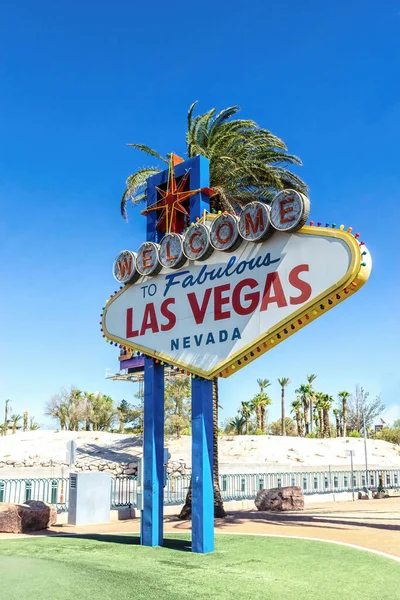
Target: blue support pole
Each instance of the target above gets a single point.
(153, 455)
(202, 467)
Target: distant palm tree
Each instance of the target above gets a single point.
(237, 423)
(310, 378)
(297, 409)
(260, 402)
(25, 421)
(344, 397)
(33, 426)
(7, 409)
(15, 419)
(305, 391)
(246, 410)
(338, 415)
(326, 404)
(283, 382)
(319, 401)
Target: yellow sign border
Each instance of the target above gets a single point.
(351, 282)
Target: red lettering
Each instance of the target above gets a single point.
(124, 266)
(149, 319)
(147, 260)
(219, 301)
(273, 286)
(168, 314)
(284, 211)
(167, 252)
(303, 286)
(194, 235)
(257, 225)
(130, 332)
(199, 312)
(252, 298)
(218, 232)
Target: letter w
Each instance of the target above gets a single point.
(199, 312)
(124, 266)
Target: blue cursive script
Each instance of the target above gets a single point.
(205, 274)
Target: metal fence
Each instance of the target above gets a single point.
(233, 486)
(54, 491)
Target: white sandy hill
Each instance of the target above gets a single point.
(237, 454)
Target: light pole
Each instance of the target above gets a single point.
(351, 454)
(365, 450)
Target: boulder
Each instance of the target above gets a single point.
(284, 498)
(22, 518)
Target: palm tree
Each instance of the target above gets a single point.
(310, 378)
(246, 410)
(15, 419)
(246, 163)
(219, 511)
(297, 407)
(305, 391)
(338, 415)
(25, 421)
(283, 382)
(326, 405)
(237, 423)
(7, 408)
(319, 400)
(33, 426)
(260, 402)
(344, 396)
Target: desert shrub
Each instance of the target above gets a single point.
(354, 433)
(389, 434)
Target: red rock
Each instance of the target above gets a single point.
(22, 518)
(286, 498)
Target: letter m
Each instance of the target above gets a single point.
(256, 225)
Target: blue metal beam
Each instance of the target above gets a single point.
(202, 467)
(153, 455)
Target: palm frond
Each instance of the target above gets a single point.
(148, 150)
(136, 188)
(224, 115)
(190, 114)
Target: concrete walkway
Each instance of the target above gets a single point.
(373, 524)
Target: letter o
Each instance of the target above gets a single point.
(289, 211)
(224, 233)
(124, 267)
(254, 222)
(147, 262)
(196, 243)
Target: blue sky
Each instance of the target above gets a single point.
(80, 80)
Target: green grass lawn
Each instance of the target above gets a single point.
(116, 567)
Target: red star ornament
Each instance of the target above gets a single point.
(171, 202)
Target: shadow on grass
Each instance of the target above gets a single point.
(127, 539)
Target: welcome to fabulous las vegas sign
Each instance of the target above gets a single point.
(232, 287)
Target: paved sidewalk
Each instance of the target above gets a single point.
(373, 524)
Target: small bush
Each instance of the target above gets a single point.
(389, 434)
(260, 432)
(354, 433)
